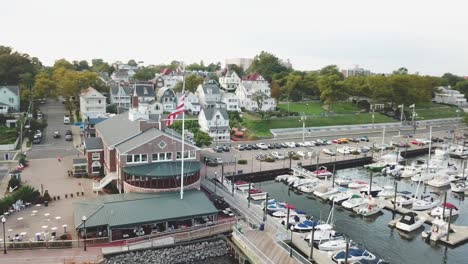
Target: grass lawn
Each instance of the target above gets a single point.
(316, 108)
(261, 128)
(439, 112)
(7, 135)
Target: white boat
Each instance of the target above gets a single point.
(459, 187)
(358, 184)
(275, 206)
(325, 192)
(425, 175)
(387, 192)
(409, 222)
(281, 178)
(392, 170)
(439, 181)
(427, 202)
(322, 232)
(354, 255)
(340, 197)
(291, 179)
(336, 243)
(374, 190)
(369, 209)
(299, 182)
(459, 152)
(310, 187)
(444, 210)
(404, 198)
(322, 173)
(410, 171)
(304, 226)
(354, 201)
(439, 229)
(344, 182)
(256, 195)
(292, 213)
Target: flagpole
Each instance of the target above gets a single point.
(183, 140)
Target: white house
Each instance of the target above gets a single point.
(215, 122)
(449, 96)
(9, 98)
(120, 95)
(208, 93)
(167, 98)
(168, 78)
(123, 75)
(145, 92)
(247, 91)
(255, 78)
(92, 103)
(192, 104)
(231, 101)
(229, 81)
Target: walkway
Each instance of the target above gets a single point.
(50, 256)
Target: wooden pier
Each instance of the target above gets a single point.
(319, 256)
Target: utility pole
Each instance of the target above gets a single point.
(402, 107)
(413, 115)
(303, 119)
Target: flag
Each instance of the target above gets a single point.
(411, 106)
(179, 110)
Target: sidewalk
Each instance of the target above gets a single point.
(52, 256)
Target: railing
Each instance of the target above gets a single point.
(259, 255)
(55, 244)
(298, 256)
(104, 181)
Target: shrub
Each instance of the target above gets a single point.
(242, 162)
(25, 193)
(47, 196)
(14, 182)
(295, 157)
(269, 159)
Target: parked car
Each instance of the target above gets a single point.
(248, 147)
(283, 145)
(277, 145)
(336, 141)
(226, 148)
(277, 155)
(344, 140)
(66, 119)
(39, 115)
(296, 144)
(37, 139)
(219, 160)
(437, 140)
(38, 133)
(262, 146)
(418, 141)
(328, 152)
(218, 149)
(240, 147)
(319, 142)
(271, 146)
(260, 157)
(354, 140)
(307, 144)
(291, 153)
(301, 153)
(364, 139)
(291, 144)
(255, 147)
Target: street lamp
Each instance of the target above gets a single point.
(4, 239)
(216, 178)
(84, 228)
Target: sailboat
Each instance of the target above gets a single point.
(323, 232)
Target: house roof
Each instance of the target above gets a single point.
(121, 73)
(117, 129)
(13, 88)
(166, 71)
(163, 169)
(252, 87)
(95, 121)
(115, 89)
(162, 90)
(89, 91)
(129, 209)
(93, 143)
(213, 86)
(144, 90)
(253, 76)
(210, 112)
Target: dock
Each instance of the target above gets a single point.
(319, 256)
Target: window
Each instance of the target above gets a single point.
(144, 157)
(162, 144)
(129, 158)
(179, 155)
(155, 157)
(136, 158)
(162, 156)
(11, 100)
(169, 155)
(186, 154)
(95, 156)
(192, 154)
(99, 101)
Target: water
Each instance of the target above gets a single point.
(374, 233)
(218, 260)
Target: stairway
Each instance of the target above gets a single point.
(97, 186)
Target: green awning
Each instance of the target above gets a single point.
(163, 169)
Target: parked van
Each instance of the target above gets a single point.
(66, 119)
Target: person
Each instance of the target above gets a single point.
(59, 158)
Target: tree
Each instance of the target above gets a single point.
(132, 63)
(13, 65)
(202, 139)
(462, 86)
(451, 79)
(145, 74)
(259, 97)
(331, 70)
(332, 89)
(45, 87)
(191, 83)
(275, 90)
(81, 65)
(238, 70)
(63, 63)
(401, 71)
(267, 65)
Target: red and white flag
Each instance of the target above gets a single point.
(179, 110)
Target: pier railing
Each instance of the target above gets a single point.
(259, 255)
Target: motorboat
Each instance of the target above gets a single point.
(369, 209)
(373, 190)
(324, 193)
(274, 207)
(425, 175)
(410, 222)
(299, 182)
(322, 173)
(256, 194)
(404, 198)
(292, 213)
(354, 254)
(309, 187)
(322, 232)
(337, 242)
(354, 201)
(343, 182)
(445, 210)
(438, 230)
(410, 171)
(458, 152)
(425, 203)
(392, 170)
(387, 192)
(376, 166)
(306, 225)
(340, 197)
(291, 179)
(439, 181)
(459, 187)
(357, 184)
(281, 178)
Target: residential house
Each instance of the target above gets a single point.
(9, 98)
(192, 104)
(356, 71)
(90, 125)
(168, 99)
(145, 92)
(168, 78)
(123, 75)
(208, 93)
(141, 156)
(231, 101)
(255, 78)
(247, 93)
(229, 81)
(215, 122)
(446, 95)
(92, 103)
(120, 95)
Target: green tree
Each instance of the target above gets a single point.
(202, 139)
(401, 71)
(451, 79)
(267, 65)
(462, 86)
(81, 65)
(332, 89)
(238, 70)
(259, 97)
(145, 74)
(191, 83)
(132, 63)
(63, 63)
(14, 65)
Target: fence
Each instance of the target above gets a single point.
(57, 244)
(249, 246)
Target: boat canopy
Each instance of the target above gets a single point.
(356, 196)
(409, 218)
(449, 206)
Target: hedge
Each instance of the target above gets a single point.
(26, 193)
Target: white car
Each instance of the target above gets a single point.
(277, 155)
(301, 153)
(262, 146)
(307, 144)
(66, 119)
(291, 144)
(328, 152)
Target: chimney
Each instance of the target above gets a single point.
(134, 99)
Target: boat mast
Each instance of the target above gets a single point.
(430, 146)
(183, 139)
(383, 142)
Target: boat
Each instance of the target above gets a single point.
(292, 213)
(325, 192)
(322, 232)
(354, 254)
(404, 198)
(355, 200)
(256, 194)
(274, 207)
(439, 181)
(322, 173)
(376, 166)
(410, 171)
(392, 170)
(291, 179)
(337, 242)
(340, 197)
(444, 210)
(374, 190)
(438, 230)
(281, 178)
(459, 187)
(410, 222)
(304, 226)
(387, 192)
(425, 203)
(458, 152)
(299, 182)
(310, 187)
(358, 184)
(369, 209)
(425, 175)
(343, 182)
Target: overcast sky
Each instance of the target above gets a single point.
(430, 37)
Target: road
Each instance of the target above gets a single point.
(51, 147)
